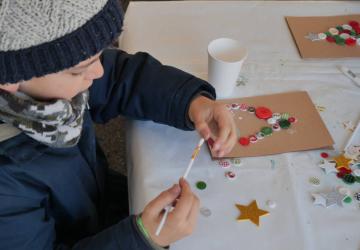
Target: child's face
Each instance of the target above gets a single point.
(65, 84)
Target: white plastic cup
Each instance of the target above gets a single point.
(225, 58)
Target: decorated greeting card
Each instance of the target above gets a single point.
(326, 36)
(278, 123)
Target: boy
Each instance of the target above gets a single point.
(56, 78)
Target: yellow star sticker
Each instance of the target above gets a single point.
(341, 160)
(251, 212)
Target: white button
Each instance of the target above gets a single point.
(346, 27)
(230, 175)
(357, 172)
(333, 31)
(259, 135)
(343, 190)
(272, 120)
(277, 116)
(271, 204)
(358, 41)
(344, 36)
(236, 162)
(322, 36)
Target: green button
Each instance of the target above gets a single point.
(285, 116)
(201, 185)
(251, 109)
(284, 124)
(347, 199)
(266, 131)
(357, 179)
(339, 28)
(339, 40)
(327, 33)
(349, 179)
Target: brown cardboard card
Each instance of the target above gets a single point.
(302, 26)
(309, 132)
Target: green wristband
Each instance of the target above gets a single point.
(140, 224)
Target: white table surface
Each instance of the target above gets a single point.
(177, 33)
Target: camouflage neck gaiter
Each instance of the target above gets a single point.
(55, 123)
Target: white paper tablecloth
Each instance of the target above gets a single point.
(177, 33)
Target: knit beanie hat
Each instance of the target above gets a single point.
(40, 37)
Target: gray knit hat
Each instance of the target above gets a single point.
(40, 37)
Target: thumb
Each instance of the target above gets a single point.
(203, 129)
(157, 205)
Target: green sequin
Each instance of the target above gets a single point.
(201, 185)
(284, 124)
(349, 178)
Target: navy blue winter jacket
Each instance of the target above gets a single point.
(43, 188)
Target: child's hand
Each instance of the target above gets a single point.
(180, 222)
(213, 119)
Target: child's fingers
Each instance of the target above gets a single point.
(184, 203)
(156, 206)
(203, 129)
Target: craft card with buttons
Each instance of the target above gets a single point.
(326, 36)
(278, 123)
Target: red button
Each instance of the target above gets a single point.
(330, 39)
(263, 113)
(244, 141)
(292, 119)
(324, 155)
(350, 41)
(354, 24)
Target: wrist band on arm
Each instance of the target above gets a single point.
(140, 224)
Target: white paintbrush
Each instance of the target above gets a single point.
(169, 208)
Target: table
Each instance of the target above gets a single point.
(177, 33)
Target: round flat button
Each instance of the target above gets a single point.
(343, 190)
(292, 119)
(260, 135)
(266, 131)
(251, 109)
(244, 107)
(356, 172)
(253, 138)
(205, 211)
(271, 121)
(354, 24)
(344, 36)
(236, 162)
(334, 31)
(271, 204)
(358, 41)
(201, 185)
(263, 113)
(346, 27)
(322, 36)
(244, 141)
(276, 127)
(285, 116)
(230, 175)
(284, 124)
(324, 155)
(276, 116)
(224, 163)
(235, 106)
